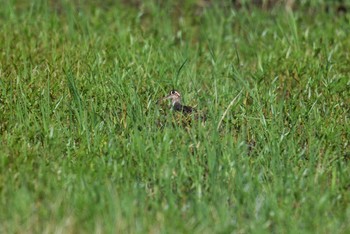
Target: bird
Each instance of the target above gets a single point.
(175, 97)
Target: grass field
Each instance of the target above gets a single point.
(85, 148)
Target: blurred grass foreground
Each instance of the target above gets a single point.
(86, 148)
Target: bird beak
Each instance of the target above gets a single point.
(164, 98)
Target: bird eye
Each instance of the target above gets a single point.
(172, 92)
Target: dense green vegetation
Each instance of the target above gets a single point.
(85, 147)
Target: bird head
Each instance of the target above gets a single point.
(174, 95)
